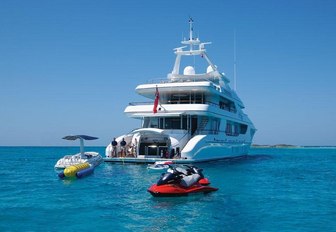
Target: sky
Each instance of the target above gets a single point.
(71, 66)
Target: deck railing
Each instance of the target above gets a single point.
(166, 80)
(173, 102)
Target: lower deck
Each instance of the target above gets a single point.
(151, 160)
(146, 160)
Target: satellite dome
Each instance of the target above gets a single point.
(189, 70)
(210, 69)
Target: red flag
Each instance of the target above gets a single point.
(156, 100)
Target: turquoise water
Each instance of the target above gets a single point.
(270, 190)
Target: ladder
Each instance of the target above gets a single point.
(203, 123)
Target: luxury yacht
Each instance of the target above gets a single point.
(191, 116)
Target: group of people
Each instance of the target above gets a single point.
(130, 150)
(125, 150)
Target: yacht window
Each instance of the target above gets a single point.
(145, 123)
(154, 123)
(228, 129)
(243, 128)
(161, 123)
(174, 99)
(186, 98)
(184, 122)
(172, 123)
(226, 104)
(199, 98)
(151, 123)
(235, 128)
(175, 123)
(166, 122)
(215, 125)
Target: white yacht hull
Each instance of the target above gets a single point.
(212, 147)
(209, 152)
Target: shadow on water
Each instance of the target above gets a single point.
(171, 202)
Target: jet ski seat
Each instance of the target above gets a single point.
(190, 180)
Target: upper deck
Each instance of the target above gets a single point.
(189, 91)
(186, 89)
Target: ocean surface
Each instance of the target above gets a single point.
(269, 190)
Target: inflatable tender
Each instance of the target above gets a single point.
(77, 170)
(85, 172)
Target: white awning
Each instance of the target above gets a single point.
(148, 130)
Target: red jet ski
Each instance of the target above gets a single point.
(181, 181)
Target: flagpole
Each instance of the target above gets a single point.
(156, 100)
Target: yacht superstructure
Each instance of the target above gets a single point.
(192, 117)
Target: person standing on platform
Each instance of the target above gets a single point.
(123, 144)
(114, 144)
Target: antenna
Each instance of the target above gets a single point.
(191, 28)
(234, 62)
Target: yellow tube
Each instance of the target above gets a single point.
(72, 170)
